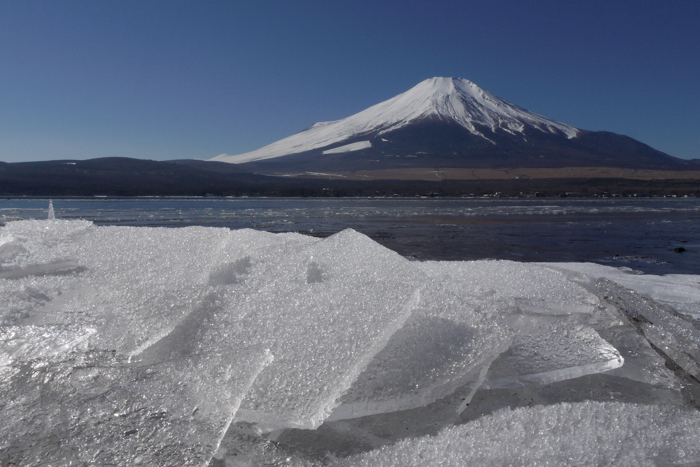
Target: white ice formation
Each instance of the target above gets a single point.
(157, 346)
(452, 99)
(50, 214)
(587, 433)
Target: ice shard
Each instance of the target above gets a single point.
(324, 310)
(446, 344)
(96, 407)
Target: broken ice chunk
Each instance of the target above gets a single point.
(323, 339)
(587, 433)
(323, 331)
(673, 334)
(98, 409)
(549, 349)
(682, 292)
(536, 286)
(446, 343)
(171, 404)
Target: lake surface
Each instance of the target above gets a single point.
(659, 236)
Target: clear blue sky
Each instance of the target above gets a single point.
(194, 79)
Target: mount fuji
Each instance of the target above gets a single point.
(448, 123)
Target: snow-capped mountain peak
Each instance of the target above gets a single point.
(464, 102)
(450, 99)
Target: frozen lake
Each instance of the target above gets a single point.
(643, 234)
(497, 332)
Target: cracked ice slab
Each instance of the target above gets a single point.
(547, 313)
(586, 433)
(98, 408)
(324, 310)
(446, 344)
(665, 308)
(125, 359)
(548, 350)
(680, 291)
(141, 345)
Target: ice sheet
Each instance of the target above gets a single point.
(682, 292)
(64, 402)
(130, 344)
(551, 349)
(663, 308)
(137, 286)
(588, 433)
(548, 315)
(324, 310)
(526, 285)
(133, 285)
(446, 344)
(96, 408)
(673, 335)
(154, 340)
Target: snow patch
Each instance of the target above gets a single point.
(349, 147)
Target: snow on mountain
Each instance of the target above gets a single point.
(349, 147)
(451, 99)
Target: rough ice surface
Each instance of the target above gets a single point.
(666, 309)
(552, 338)
(446, 344)
(95, 407)
(551, 350)
(196, 346)
(675, 290)
(588, 433)
(324, 311)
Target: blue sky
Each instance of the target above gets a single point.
(193, 79)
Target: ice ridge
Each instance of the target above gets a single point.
(161, 346)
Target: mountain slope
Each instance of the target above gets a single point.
(448, 122)
(446, 99)
(120, 176)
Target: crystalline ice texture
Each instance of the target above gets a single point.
(531, 287)
(664, 308)
(542, 307)
(550, 349)
(682, 292)
(137, 346)
(587, 433)
(324, 311)
(139, 292)
(446, 343)
(675, 335)
(96, 408)
(323, 308)
(133, 285)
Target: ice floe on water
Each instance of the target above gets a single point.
(197, 346)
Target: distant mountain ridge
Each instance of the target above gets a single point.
(444, 137)
(449, 122)
(117, 176)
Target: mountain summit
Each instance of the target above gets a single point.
(447, 122)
